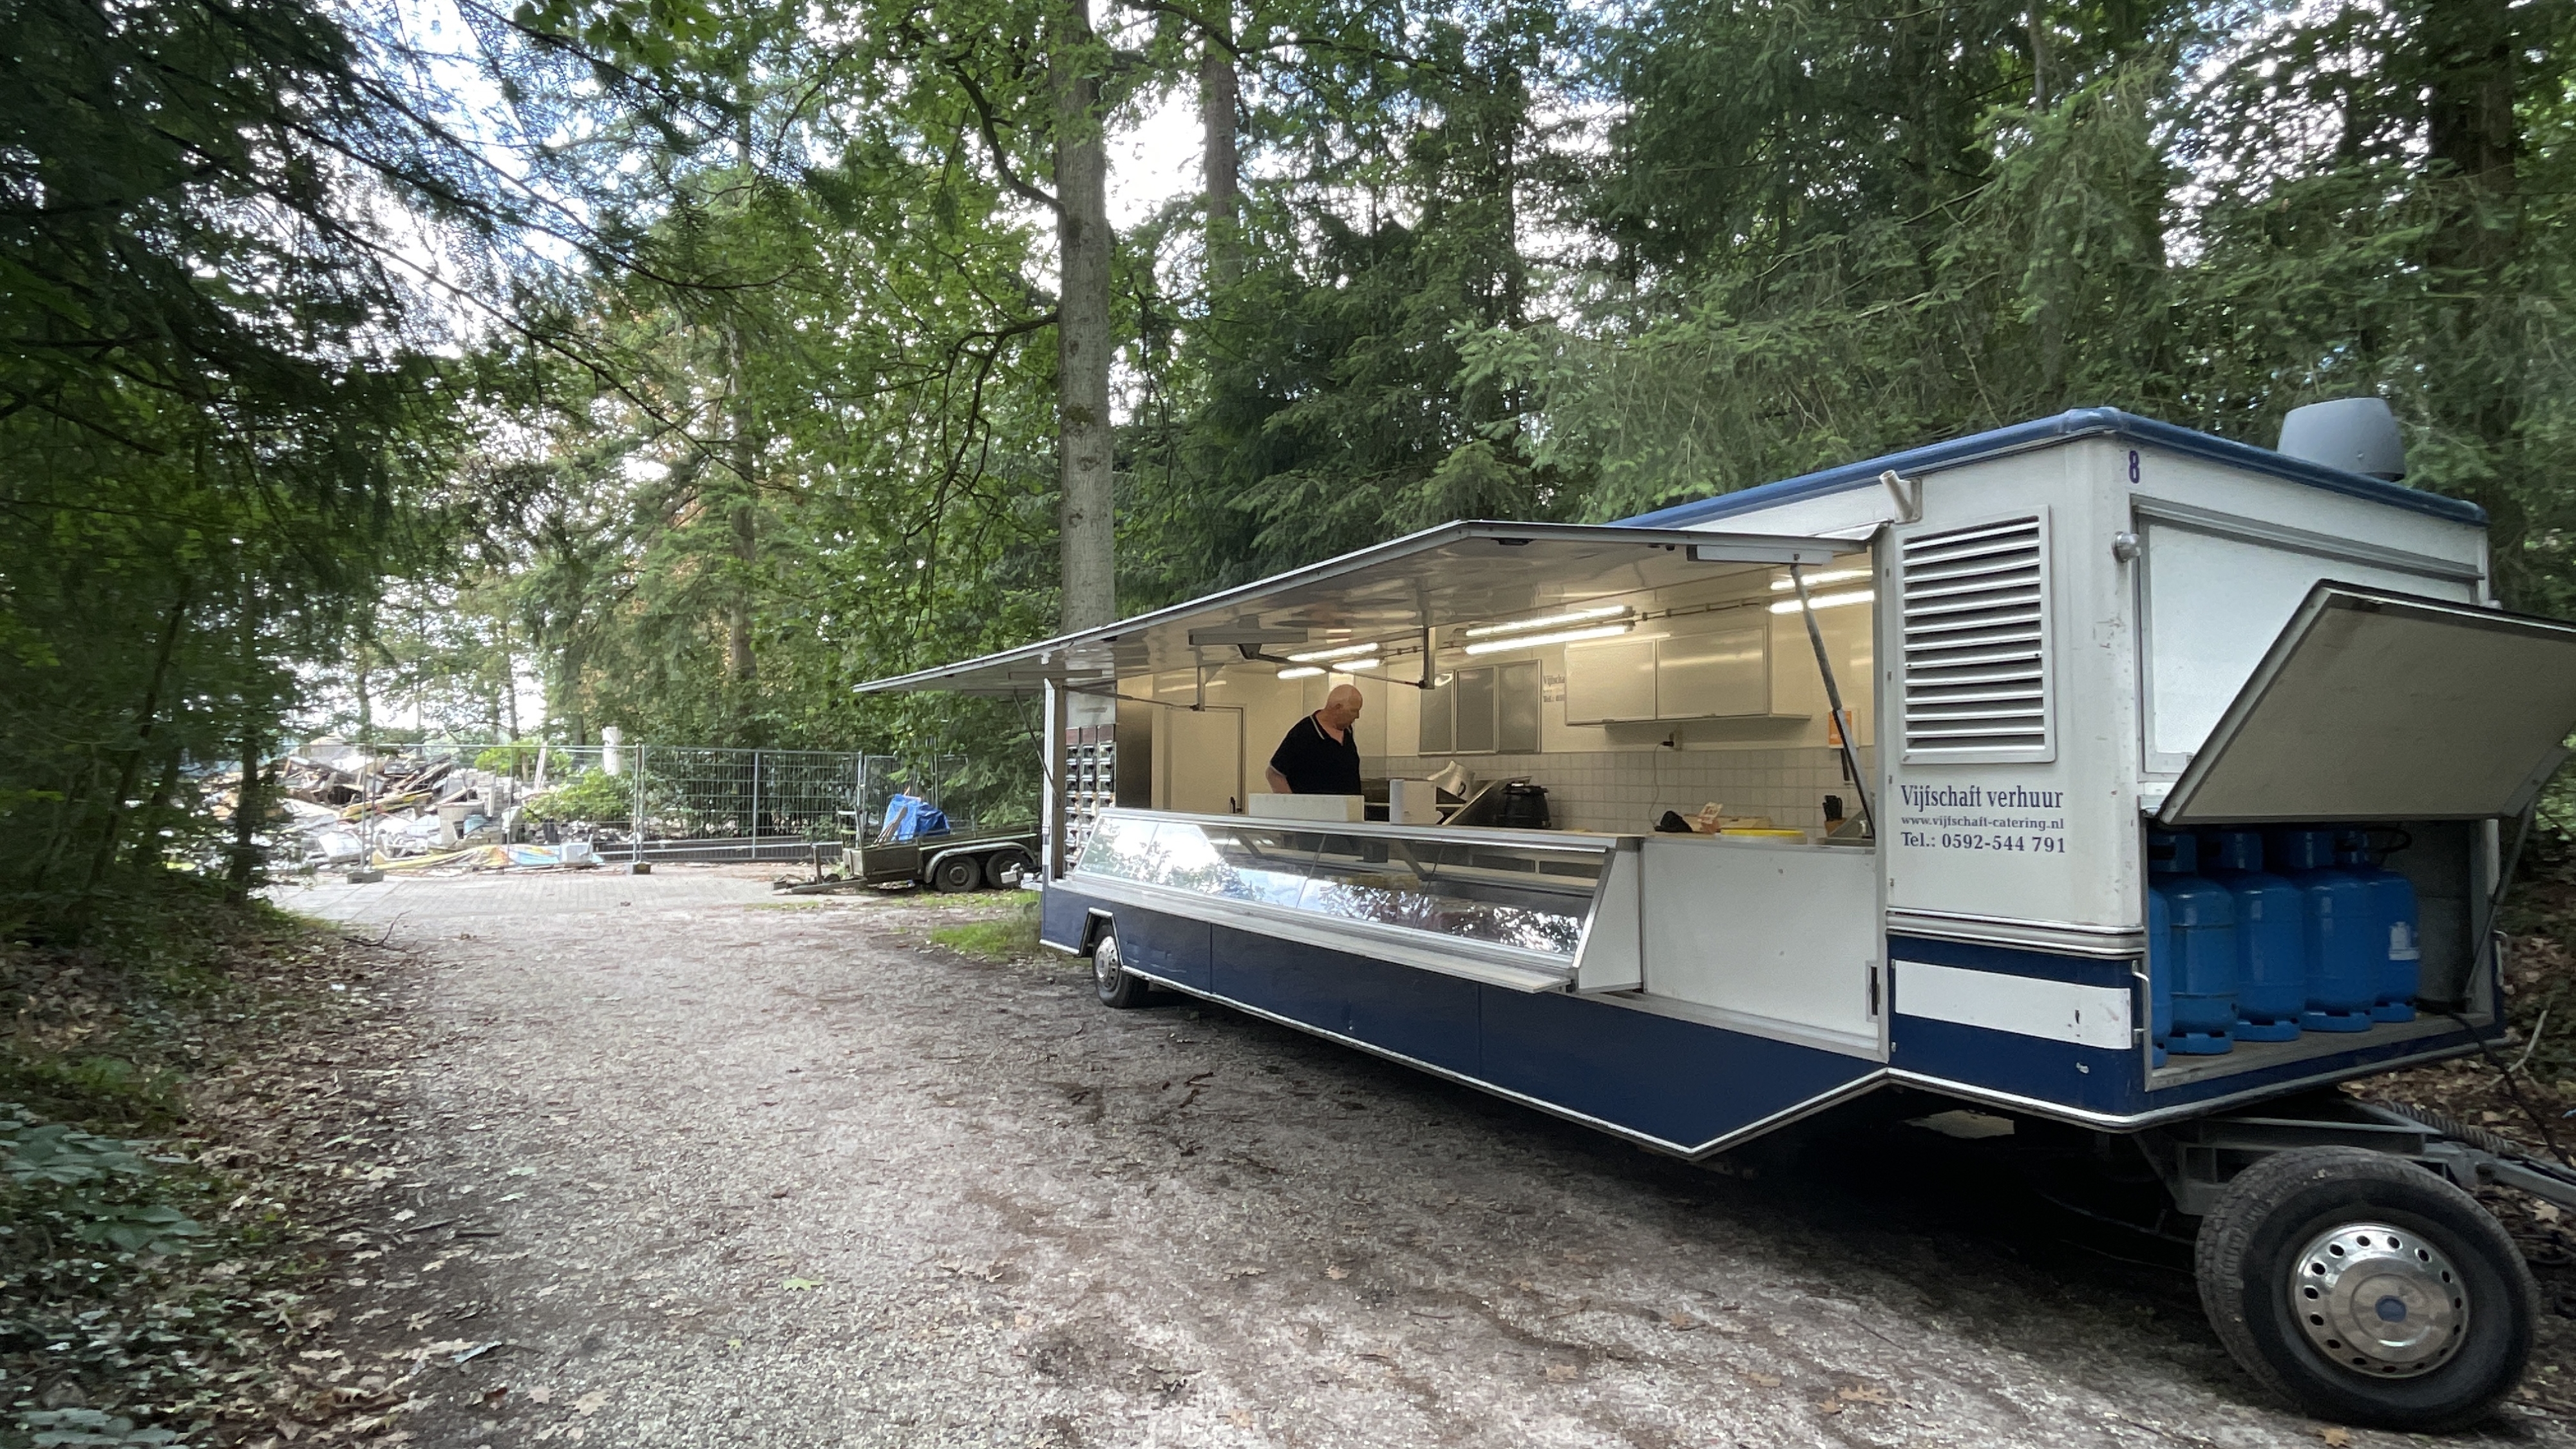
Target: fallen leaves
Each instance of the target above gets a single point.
(590, 1403)
(1336, 1272)
(800, 1285)
(1761, 1380)
(2336, 1436)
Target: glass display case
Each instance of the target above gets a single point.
(1502, 892)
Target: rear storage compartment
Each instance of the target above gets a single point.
(2275, 941)
(2320, 875)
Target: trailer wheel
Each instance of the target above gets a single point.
(2365, 1289)
(1004, 869)
(1110, 980)
(957, 873)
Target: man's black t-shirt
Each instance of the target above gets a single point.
(1317, 764)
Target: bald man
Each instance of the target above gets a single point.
(1318, 755)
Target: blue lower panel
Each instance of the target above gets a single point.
(1679, 1083)
(1166, 946)
(1062, 917)
(2058, 1073)
(1420, 1014)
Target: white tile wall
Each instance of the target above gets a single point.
(1628, 790)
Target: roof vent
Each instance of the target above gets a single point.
(2356, 434)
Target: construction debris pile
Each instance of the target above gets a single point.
(346, 809)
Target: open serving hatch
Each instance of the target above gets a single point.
(2377, 705)
(1453, 574)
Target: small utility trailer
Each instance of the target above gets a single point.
(2093, 772)
(972, 860)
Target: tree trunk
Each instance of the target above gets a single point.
(2039, 57)
(565, 690)
(1220, 92)
(1085, 523)
(2467, 51)
(250, 804)
(249, 807)
(130, 775)
(743, 450)
(147, 846)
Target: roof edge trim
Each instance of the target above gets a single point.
(2076, 423)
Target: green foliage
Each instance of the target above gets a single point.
(210, 419)
(591, 796)
(511, 759)
(71, 1427)
(783, 423)
(93, 1189)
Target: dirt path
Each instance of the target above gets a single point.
(715, 1169)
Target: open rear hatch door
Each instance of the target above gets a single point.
(2377, 705)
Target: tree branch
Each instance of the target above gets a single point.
(1206, 27)
(993, 139)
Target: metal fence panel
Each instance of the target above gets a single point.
(646, 801)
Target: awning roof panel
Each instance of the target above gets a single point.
(1458, 573)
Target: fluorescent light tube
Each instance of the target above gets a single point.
(1302, 671)
(1353, 666)
(1829, 576)
(1827, 601)
(1561, 636)
(1549, 621)
(1347, 651)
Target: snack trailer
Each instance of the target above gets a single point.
(2093, 771)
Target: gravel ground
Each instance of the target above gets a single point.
(713, 1168)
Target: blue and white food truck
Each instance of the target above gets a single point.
(2093, 771)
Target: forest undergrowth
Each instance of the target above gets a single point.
(2539, 1052)
(163, 1176)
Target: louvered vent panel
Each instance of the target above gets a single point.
(1976, 641)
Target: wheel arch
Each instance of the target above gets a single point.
(1097, 925)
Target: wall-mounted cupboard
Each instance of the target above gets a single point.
(1701, 666)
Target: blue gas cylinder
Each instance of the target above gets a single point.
(2201, 935)
(2401, 968)
(2159, 971)
(2271, 938)
(2344, 943)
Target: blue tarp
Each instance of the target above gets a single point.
(909, 817)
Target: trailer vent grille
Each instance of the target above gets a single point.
(1976, 643)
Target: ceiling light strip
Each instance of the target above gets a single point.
(1827, 601)
(1549, 621)
(1346, 651)
(1561, 636)
(1817, 581)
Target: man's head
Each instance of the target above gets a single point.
(1342, 706)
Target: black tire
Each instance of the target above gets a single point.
(1117, 988)
(957, 873)
(1003, 869)
(2270, 1231)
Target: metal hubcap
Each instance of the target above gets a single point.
(1105, 970)
(2379, 1301)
